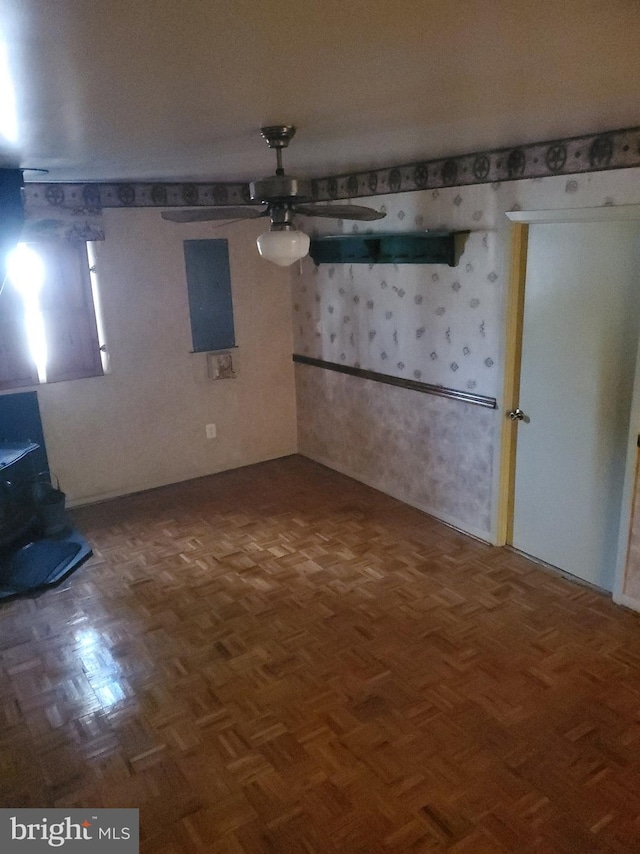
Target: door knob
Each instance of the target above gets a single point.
(517, 415)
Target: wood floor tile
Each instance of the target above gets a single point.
(279, 659)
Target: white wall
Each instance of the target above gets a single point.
(143, 424)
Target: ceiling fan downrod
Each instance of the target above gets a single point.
(278, 137)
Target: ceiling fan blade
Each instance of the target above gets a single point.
(339, 211)
(208, 214)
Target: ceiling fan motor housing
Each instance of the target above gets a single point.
(280, 188)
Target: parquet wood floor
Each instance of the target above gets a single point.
(279, 659)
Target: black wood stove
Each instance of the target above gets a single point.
(35, 552)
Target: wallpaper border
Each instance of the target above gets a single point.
(617, 149)
(389, 379)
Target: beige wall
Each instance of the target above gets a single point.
(143, 424)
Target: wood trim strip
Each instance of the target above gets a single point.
(513, 360)
(400, 382)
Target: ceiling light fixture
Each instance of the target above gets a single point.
(283, 197)
(283, 244)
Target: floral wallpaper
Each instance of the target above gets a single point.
(430, 322)
(432, 452)
(441, 325)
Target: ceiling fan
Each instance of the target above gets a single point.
(284, 197)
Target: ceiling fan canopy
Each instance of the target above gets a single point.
(283, 197)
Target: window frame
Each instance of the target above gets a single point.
(69, 314)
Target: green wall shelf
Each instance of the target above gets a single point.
(419, 247)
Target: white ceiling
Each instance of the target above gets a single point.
(176, 89)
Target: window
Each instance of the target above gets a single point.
(48, 329)
(209, 289)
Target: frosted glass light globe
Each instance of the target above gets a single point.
(283, 246)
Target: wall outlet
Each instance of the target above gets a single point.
(210, 430)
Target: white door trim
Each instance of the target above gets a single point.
(605, 213)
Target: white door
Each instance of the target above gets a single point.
(580, 335)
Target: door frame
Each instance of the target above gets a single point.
(513, 326)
